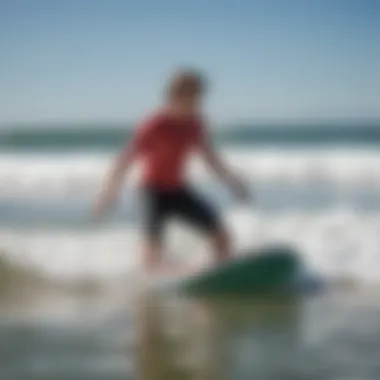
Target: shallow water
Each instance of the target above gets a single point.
(331, 335)
(68, 302)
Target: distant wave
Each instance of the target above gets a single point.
(32, 185)
(110, 137)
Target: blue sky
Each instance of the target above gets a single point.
(84, 60)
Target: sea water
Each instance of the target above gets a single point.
(70, 306)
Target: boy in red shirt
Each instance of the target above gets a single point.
(164, 142)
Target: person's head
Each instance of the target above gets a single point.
(185, 91)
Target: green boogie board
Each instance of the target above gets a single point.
(267, 270)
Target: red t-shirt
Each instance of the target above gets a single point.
(164, 145)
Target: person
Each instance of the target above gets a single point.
(164, 141)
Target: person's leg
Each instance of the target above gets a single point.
(197, 212)
(221, 243)
(155, 210)
(151, 255)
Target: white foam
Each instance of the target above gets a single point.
(331, 244)
(69, 255)
(67, 175)
(336, 242)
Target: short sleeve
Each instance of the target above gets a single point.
(144, 134)
(142, 138)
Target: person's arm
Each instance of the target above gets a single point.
(122, 163)
(213, 160)
(211, 157)
(113, 181)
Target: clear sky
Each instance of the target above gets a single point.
(75, 60)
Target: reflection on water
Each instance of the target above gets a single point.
(115, 335)
(214, 339)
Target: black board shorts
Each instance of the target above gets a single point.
(160, 206)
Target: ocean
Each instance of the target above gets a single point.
(70, 304)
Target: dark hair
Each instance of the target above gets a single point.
(185, 81)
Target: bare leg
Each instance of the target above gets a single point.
(152, 252)
(151, 256)
(221, 245)
(153, 260)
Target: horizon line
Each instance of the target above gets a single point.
(238, 122)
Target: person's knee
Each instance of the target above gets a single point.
(222, 243)
(223, 238)
(151, 253)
